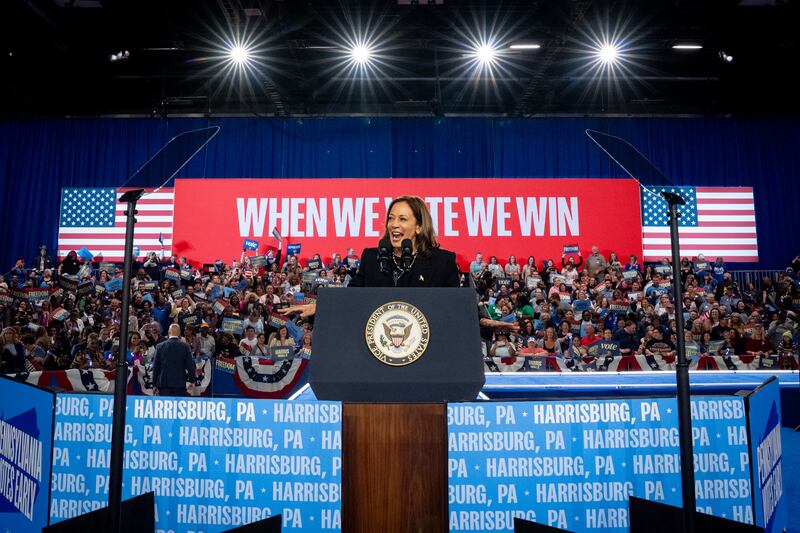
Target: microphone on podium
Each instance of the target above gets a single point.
(384, 250)
(406, 254)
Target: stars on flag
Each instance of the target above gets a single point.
(81, 208)
(655, 209)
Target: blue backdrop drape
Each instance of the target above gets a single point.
(39, 157)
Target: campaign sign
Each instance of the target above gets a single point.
(630, 274)
(281, 353)
(308, 277)
(37, 294)
(114, 285)
(571, 249)
(532, 282)
(26, 444)
(664, 270)
(258, 261)
(293, 249)
(214, 464)
(327, 214)
(250, 244)
(574, 464)
(232, 325)
(172, 274)
(86, 287)
(764, 421)
(582, 305)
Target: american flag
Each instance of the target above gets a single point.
(716, 221)
(93, 218)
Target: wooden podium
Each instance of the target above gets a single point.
(394, 468)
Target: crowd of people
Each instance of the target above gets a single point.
(566, 310)
(62, 315)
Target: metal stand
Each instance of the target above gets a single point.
(121, 378)
(682, 372)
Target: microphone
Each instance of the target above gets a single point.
(384, 250)
(406, 254)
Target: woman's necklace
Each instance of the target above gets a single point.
(398, 271)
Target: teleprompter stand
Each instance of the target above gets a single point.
(394, 431)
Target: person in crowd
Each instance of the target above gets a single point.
(281, 338)
(495, 268)
(12, 358)
(550, 343)
(228, 347)
(513, 268)
(152, 266)
(595, 263)
(627, 338)
(565, 336)
(173, 365)
(42, 261)
(261, 349)
(204, 344)
(477, 263)
(503, 347)
(248, 342)
(70, 265)
(529, 269)
(614, 262)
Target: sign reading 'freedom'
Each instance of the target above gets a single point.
(522, 216)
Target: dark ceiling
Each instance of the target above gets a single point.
(55, 58)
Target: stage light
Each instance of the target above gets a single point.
(486, 54)
(525, 46)
(239, 55)
(608, 54)
(725, 57)
(687, 46)
(119, 56)
(361, 54)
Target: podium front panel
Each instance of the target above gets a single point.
(345, 368)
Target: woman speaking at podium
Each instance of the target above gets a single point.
(408, 255)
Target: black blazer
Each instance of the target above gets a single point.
(437, 268)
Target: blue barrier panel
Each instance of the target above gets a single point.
(213, 464)
(764, 421)
(26, 444)
(574, 464)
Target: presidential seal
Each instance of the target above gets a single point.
(397, 333)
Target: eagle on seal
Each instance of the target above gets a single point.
(397, 333)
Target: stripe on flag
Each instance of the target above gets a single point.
(716, 221)
(93, 218)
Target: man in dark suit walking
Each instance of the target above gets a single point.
(173, 365)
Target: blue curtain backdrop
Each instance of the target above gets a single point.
(39, 157)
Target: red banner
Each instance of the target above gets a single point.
(500, 217)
